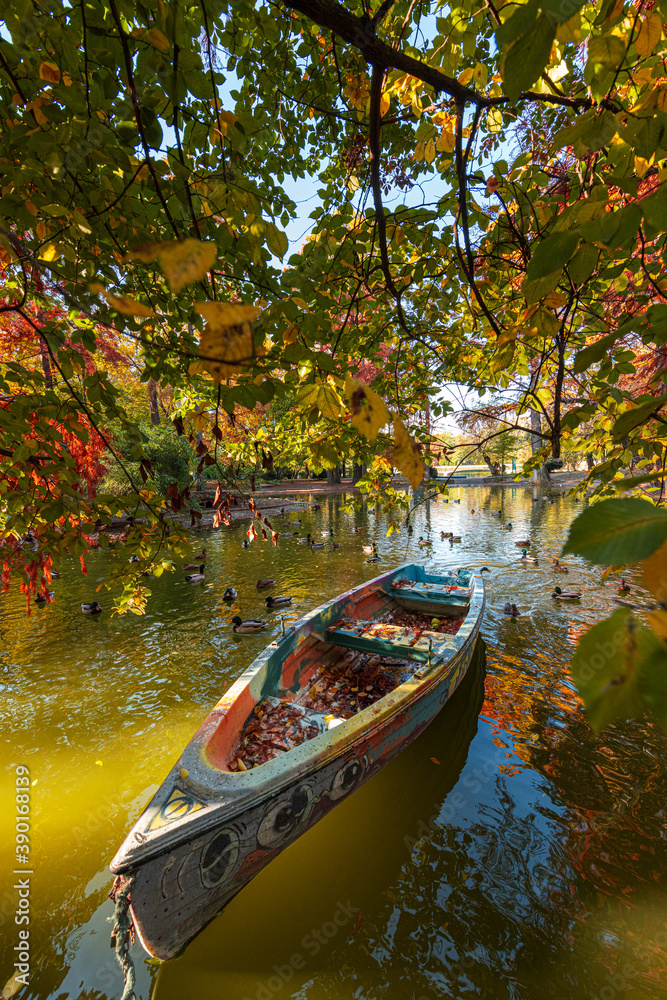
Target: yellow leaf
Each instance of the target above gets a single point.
(654, 570)
(494, 120)
(41, 231)
(49, 71)
(369, 412)
(196, 368)
(223, 314)
(570, 31)
(429, 151)
(49, 252)
(466, 76)
(446, 141)
(385, 102)
(185, 261)
(226, 349)
(123, 303)
(290, 335)
(405, 454)
(649, 34)
(155, 38)
(182, 261)
(31, 207)
(642, 165)
(419, 151)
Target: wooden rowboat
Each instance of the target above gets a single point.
(319, 712)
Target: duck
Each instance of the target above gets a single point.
(278, 602)
(374, 558)
(356, 530)
(506, 527)
(44, 598)
(525, 558)
(201, 557)
(368, 549)
(409, 529)
(327, 534)
(454, 538)
(196, 577)
(248, 626)
(444, 535)
(525, 544)
(566, 595)
(511, 610)
(264, 583)
(188, 566)
(295, 522)
(229, 594)
(335, 545)
(457, 501)
(424, 541)
(315, 506)
(317, 545)
(93, 608)
(245, 543)
(484, 569)
(623, 588)
(557, 568)
(305, 540)
(134, 559)
(55, 575)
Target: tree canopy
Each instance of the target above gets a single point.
(490, 213)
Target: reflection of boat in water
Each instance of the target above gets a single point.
(270, 760)
(353, 856)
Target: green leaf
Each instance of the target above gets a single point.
(583, 263)
(639, 414)
(328, 402)
(527, 57)
(536, 290)
(618, 532)
(552, 254)
(593, 353)
(605, 54)
(619, 668)
(276, 240)
(592, 130)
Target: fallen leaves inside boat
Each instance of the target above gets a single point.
(336, 691)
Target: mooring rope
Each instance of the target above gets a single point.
(122, 935)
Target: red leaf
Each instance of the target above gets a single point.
(275, 535)
(218, 496)
(252, 534)
(358, 922)
(84, 568)
(435, 760)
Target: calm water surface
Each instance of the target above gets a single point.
(508, 853)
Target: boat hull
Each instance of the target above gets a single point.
(176, 893)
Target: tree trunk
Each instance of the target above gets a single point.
(495, 471)
(336, 475)
(357, 473)
(536, 428)
(153, 402)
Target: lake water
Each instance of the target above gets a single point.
(508, 853)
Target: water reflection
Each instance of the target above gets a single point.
(529, 862)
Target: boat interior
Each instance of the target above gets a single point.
(327, 678)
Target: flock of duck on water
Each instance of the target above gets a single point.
(196, 570)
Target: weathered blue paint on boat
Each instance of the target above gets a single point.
(209, 830)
